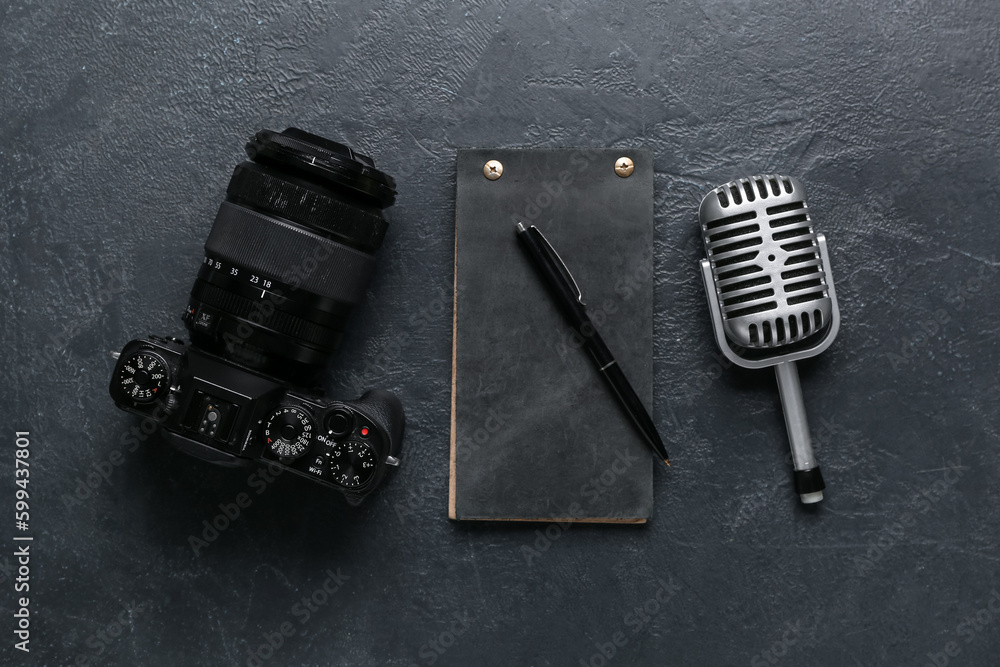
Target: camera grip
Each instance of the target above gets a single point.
(385, 409)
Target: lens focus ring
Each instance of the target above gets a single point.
(290, 254)
(253, 186)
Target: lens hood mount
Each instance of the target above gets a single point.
(326, 161)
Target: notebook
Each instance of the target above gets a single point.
(536, 434)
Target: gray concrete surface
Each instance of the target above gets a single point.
(120, 123)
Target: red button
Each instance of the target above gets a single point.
(364, 430)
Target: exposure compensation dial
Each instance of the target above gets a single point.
(351, 464)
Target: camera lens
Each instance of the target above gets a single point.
(290, 254)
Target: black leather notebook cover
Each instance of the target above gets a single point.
(536, 433)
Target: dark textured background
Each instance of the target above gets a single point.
(120, 123)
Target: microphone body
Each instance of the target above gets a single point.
(770, 294)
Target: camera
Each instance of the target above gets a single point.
(290, 254)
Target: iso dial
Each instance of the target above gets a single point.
(144, 377)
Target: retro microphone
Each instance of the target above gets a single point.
(770, 294)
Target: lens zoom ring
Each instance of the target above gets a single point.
(290, 254)
(265, 315)
(261, 190)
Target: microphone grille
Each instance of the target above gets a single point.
(766, 265)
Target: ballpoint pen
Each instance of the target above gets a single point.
(566, 293)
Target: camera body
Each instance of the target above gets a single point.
(289, 256)
(231, 416)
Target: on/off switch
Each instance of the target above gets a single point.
(339, 422)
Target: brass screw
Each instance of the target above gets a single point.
(624, 167)
(493, 170)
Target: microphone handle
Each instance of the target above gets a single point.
(808, 479)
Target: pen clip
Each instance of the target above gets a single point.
(560, 265)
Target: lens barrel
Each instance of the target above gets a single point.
(290, 254)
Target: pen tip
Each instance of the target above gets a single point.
(667, 461)
(520, 227)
